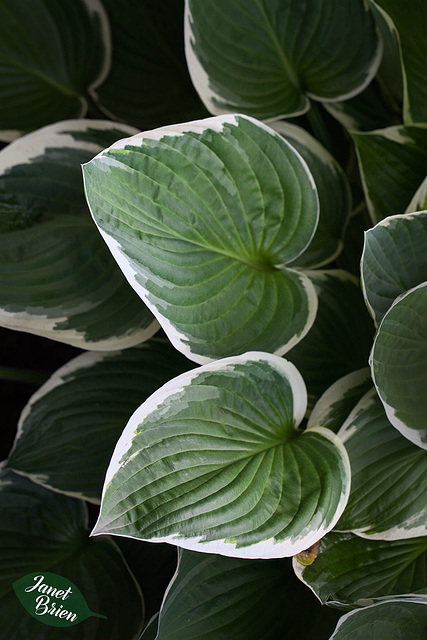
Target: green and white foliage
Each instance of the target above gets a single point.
(213, 597)
(57, 279)
(78, 415)
(350, 571)
(394, 260)
(46, 532)
(419, 201)
(268, 58)
(388, 497)
(398, 363)
(397, 154)
(53, 55)
(214, 462)
(389, 620)
(203, 218)
(334, 196)
(336, 403)
(414, 55)
(341, 337)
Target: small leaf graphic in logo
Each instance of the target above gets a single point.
(52, 599)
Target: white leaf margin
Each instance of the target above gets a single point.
(135, 276)
(413, 599)
(266, 549)
(408, 432)
(23, 151)
(386, 222)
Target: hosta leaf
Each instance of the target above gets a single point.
(52, 56)
(394, 260)
(388, 497)
(267, 58)
(350, 571)
(399, 156)
(398, 364)
(214, 462)
(44, 533)
(213, 597)
(334, 406)
(57, 279)
(419, 201)
(340, 339)
(68, 430)
(202, 217)
(409, 22)
(334, 196)
(389, 620)
(148, 52)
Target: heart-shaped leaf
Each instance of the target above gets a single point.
(213, 597)
(398, 364)
(202, 218)
(399, 156)
(57, 279)
(350, 571)
(388, 497)
(390, 620)
(69, 450)
(214, 462)
(44, 533)
(267, 58)
(52, 56)
(394, 260)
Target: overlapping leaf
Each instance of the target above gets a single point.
(214, 597)
(52, 56)
(41, 531)
(334, 406)
(267, 58)
(148, 84)
(409, 22)
(57, 279)
(68, 430)
(398, 364)
(350, 571)
(340, 339)
(214, 462)
(202, 218)
(394, 260)
(399, 156)
(334, 196)
(388, 497)
(389, 620)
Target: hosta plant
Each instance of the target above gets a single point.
(216, 213)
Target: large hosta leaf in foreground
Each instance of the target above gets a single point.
(350, 571)
(44, 532)
(394, 260)
(398, 364)
(69, 428)
(389, 620)
(388, 497)
(214, 462)
(203, 218)
(213, 597)
(57, 279)
(267, 58)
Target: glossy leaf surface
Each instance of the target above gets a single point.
(213, 462)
